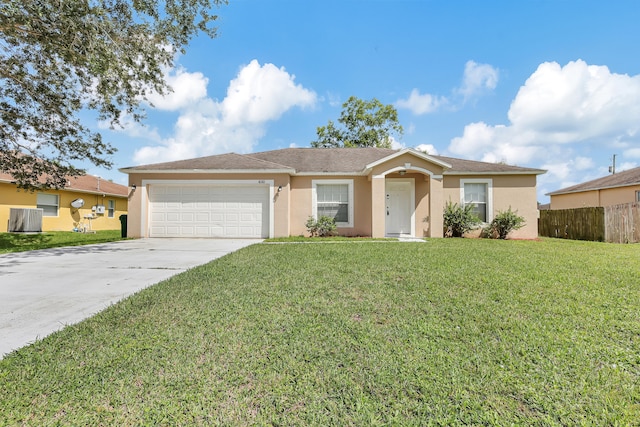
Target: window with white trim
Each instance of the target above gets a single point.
(48, 203)
(637, 196)
(334, 198)
(478, 192)
(111, 208)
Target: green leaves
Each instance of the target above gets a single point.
(504, 223)
(60, 57)
(322, 227)
(364, 124)
(459, 219)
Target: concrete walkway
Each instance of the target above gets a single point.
(43, 291)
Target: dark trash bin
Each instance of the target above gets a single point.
(123, 226)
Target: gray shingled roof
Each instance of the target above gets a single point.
(83, 183)
(326, 160)
(461, 166)
(230, 161)
(620, 179)
(320, 160)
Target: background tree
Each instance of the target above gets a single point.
(364, 124)
(58, 57)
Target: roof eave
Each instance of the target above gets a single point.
(531, 172)
(195, 171)
(96, 192)
(74, 190)
(316, 173)
(583, 190)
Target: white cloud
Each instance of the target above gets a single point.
(334, 99)
(421, 103)
(477, 79)
(187, 88)
(562, 170)
(132, 128)
(396, 145)
(427, 148)
(577, 103)
(633, 153)
(257, 95)
(263, 93)
(625, 166)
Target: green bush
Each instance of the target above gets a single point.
(459, 219)
(503, 224)
(322, 227)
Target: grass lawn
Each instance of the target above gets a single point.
(15, 242)
(448, 332)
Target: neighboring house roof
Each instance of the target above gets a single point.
(85, 184)
(620, 179)
(321, 161)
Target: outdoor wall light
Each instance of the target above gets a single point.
(402, 172)
(279, 188)
(133, 187)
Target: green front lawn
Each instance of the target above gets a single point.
(448, 332)
(19, 242)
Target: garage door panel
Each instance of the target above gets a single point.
(187, 217)
(209, 211)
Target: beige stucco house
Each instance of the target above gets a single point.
(616, 189)
(369, 191)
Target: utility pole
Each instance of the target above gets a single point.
(612, 168)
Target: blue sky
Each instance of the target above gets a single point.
(545, 84)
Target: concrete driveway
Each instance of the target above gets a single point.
(43, 291)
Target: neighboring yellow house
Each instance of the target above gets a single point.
(368, 191)
(102, 204)
(616, 189)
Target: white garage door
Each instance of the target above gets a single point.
(209, 211)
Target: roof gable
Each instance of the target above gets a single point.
(419, 154)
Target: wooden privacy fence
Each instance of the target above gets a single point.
(575, 224)
(622, 223)
(615, 224)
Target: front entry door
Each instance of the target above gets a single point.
(398, 208)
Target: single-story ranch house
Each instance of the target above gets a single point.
(369, 191)
(86, 202)
(615, 189)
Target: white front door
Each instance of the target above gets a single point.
(399, 211)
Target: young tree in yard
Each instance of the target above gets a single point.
(364, 124)
(58, 57)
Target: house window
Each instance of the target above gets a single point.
(637, 196)
(478, 192)
(111, 208)
(48, 203)
(334, 198)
